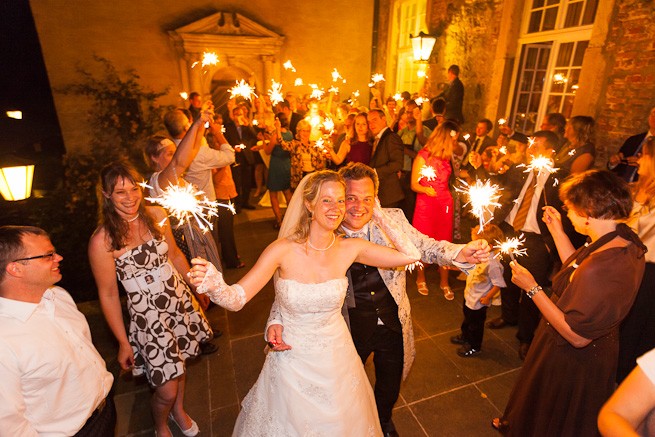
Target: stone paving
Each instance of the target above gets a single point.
(444, 394)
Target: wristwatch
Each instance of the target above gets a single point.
(534, 290)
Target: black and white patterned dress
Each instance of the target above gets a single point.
(166, 324)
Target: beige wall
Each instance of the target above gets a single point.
(133, 34)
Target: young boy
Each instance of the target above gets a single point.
(482, 284)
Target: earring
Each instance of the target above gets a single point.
(587, 222)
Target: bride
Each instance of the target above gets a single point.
(319, 387)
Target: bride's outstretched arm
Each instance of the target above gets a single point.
(233, 297)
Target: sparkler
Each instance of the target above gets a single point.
(328, 124)
(333, 90)
(317, 93)
(397, 97)
(185, 203)
(410, 267)
(336, 76)
(377, 77)
(209, 58)
(243, 89)
(298, 82)
(420, 100)
(240, 146)
(483, 198)
(501, 121)
(428, 172)
(275, 93)
(184, 95)
(353, 97)
(541, 164)
(511, 247)
(320, 145)
(466, 137)
(503, 150)
(288, 66)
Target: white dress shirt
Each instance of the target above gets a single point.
(532, 221)
(52, 378)
(199, 172)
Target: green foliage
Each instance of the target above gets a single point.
(122, 115)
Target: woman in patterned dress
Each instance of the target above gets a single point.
(166, 325)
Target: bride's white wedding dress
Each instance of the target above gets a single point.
(319, 387)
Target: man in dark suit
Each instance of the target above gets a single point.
(482, 139)
(238, 133)
(624, 163)
(377, 306)
(454, 95)
(523, 197)
(437, 109)
(387, 159)
(293, 117)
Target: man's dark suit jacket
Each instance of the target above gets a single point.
(454, 96)
(293, 123)
(248, 138)
(629, 148)
(387, 160)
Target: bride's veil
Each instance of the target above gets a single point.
(295, 209)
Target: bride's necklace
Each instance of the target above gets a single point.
(334, 238)
(138, 214)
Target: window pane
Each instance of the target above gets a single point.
(590, 12)
(531, 58)
(567, 107)
(579, 53)
(554, 103)
(564, 55)
(534, 103)
(573, 14)
(552, 2)
(537, 4)
(572, 84)
(549, 19)
(522, 105)
(535, 22)
(539, 81)
(543, 59)
(526, 83)
(560, 79)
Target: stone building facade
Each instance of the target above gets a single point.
(602, 65)
(163, 39)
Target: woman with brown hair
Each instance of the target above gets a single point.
(579, 152)
(433, 213)
(570, 369)
(166, 324)
(358, 144)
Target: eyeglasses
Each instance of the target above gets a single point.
(50, 255)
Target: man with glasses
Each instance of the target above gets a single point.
(54, 382)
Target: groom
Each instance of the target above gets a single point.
(377, 303)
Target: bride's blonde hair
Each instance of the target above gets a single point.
(310, 192)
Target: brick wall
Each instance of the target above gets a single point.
(630, 89)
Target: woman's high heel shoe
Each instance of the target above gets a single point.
(190, 432)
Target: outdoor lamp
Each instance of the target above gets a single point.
(422, 45)
(16, 176)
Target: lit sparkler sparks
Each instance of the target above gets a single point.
(275, 93)
(466, 137)
(240, 146)
(572, 152)
(185, 203)
(503, 150)
(375, 79)
(428, 172)
(243, 89)
(288, 66)
(420, 100)
(298, 82)
(453, 133)
(501, 121)
(255, 122)
(511, 247)
(336, 76)
(397, 97)
(483, 198)
(209, 58)
(320, 144)
(410, 267)
(184, 95)
(328, 124)
(317, 93)
(541, 164)
(333, 90)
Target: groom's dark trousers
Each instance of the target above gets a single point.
(376, 329)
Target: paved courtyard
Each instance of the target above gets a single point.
(444, 395)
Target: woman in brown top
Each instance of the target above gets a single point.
(570, 370)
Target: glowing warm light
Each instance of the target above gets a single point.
(255, 122)
(243, 89)
(503, 150)
(240, 146)
(336, 76)
(275, 93)
(209, 58)
(185, 203)
(18, 115)
(328, 124)
(422, 74)
(466, 137)
(483, 198)
(16, 179)
(420, 100)
(375, 79)
(501, 121)
(288, 66)
(428, 173)
(511, 247)
(541, 164)
(320, 144)
(184, 95)
(559, 78)
(397, 97)
(317, 93)
(333, 90)
(298, 82)
(453, 133)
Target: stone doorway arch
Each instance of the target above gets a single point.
(245, 49)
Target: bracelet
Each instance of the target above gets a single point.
(534, 290)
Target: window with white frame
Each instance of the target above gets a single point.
(409, 19)
(555, 35)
